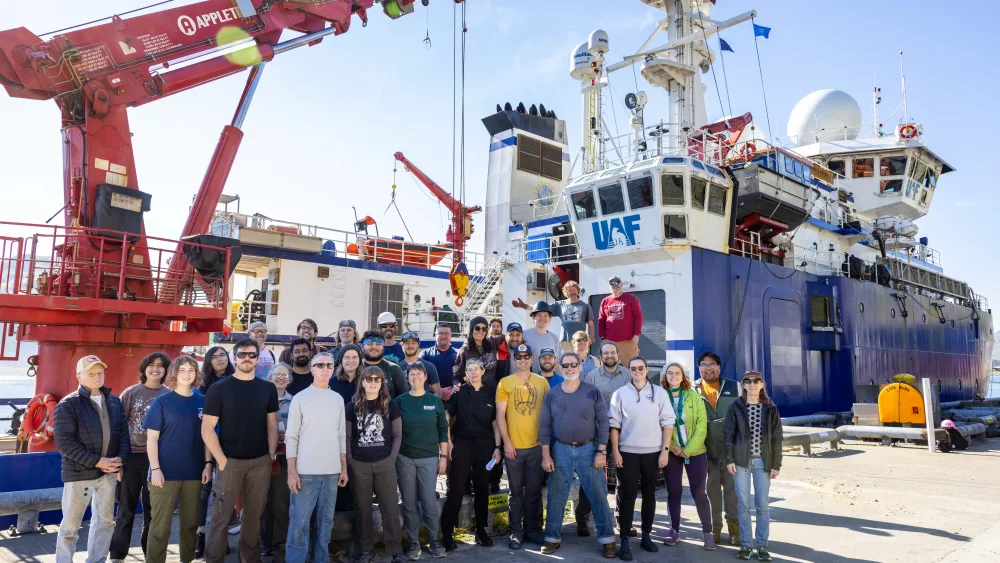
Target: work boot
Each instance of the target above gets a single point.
(550, 547)
(625, 552)
(647, 543)
(610, 551)
(199, 546)
(734, 531)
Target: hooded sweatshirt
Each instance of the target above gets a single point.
(487, 353)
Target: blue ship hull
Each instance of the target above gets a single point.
(809, 370)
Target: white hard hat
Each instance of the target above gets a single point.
(386, 317)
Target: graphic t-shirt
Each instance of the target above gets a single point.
(393, 353)
(574, 316)
(371, 433)
(136, 401)
(242, 407)
(524, 408)
(178, 420)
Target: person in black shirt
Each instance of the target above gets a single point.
(217, 365)
(302, 376)
(245, 408)
(372, 351)
(475, 437)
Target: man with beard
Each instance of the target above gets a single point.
(372, 344)
(411, 348)
(302, 376)
(443, 356)
(608, 377)
(547, 367)
(307, 330)
(504, 345)
(391, 348)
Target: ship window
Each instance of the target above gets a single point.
(540, 158)
(717, 199)
(698, 164)
(674, 226)
(821, 313)
(674, 160)
(863, 168)
(384, 297)
(672, 189)
(584, 204)
(612, 171)
(611, 199)
(892, 166)
(837, 166)
(890, 186)
(640, 192)
(923, 198)
(931, 180)
(807, 174)
(789, 165)
(918, 170)
(698, 189)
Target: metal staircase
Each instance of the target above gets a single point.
(481, 293)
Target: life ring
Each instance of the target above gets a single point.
(907, 132)
(748, 151)
(32, 424)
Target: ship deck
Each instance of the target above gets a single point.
(864, 503)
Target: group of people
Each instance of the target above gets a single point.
(297, 438)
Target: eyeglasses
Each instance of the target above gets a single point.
(709, 366)
(245, 355)
(280, 375)
(259, 331)
(479, 328)
(327, 365)
(220, 355)
(521, 357)
(387, 325)
(753, 381)
(568, 366)
(637, 368)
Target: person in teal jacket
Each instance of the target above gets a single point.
(688, 453)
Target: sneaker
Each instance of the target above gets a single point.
(709, 543)
(647, 543)
(534, 536)
(436, 549)
(449, 544)
(745, 552)
(673, 537)
(625, 552)
(365, 557)
(235, 529)
(483, 539)
(550, 547)
(610, 551)
(763, 554)
(515, 542)
(398, 558)
(413, 551)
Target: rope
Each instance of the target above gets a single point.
(722, 59)
(722, 108)
(763, 90)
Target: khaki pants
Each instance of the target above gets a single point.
(252, 478)
(163, 499)
(626, 351)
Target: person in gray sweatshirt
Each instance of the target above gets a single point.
(637, 411)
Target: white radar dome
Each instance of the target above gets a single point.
(598, 42)
(824, 115)
(579, 62)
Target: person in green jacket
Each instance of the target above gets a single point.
(718, 394)
(687, 453)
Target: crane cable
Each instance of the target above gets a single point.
(462, 144)
(392, 202)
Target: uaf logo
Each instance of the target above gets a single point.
(619, 231)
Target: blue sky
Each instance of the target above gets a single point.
(327, 119)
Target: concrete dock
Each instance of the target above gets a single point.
(863, 503)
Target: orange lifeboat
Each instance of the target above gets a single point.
(399, 252)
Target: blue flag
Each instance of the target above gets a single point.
(761, 31)
(725, 46)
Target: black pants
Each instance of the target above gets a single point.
(636, 468)
(131, 489)
(469, 457)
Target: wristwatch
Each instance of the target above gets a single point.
(443, 456)
(498, 447)
(210, 462)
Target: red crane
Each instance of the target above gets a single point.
(100, 285)
(461, 227)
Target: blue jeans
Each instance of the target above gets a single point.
(761, 487)
(317, 492)
(594, 482)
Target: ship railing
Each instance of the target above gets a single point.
(536, 209)
(546, 249)
(425, 322)
(351, 244)
(661, 139)
(46, 260)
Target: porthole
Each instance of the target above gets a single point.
(861, 307)
(924, 318)
(892, 313)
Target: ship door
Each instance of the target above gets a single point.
(785, 373)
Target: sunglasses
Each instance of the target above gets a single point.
(637, 368)
(615, 283)
(220, 355)
(323, 366)
(708, 366)
(479, 329)
(387, 325)
(522, 357)
(245, 355)
(568, 366)
(373, 380)
(753, 381)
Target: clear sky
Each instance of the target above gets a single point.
(327, 119)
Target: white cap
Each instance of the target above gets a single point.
(385, 318)
(87, 362)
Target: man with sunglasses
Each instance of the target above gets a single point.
(245, 409)
(372, 347)
(718, 395)
(391, 348)
(620, 320)
(307, 329)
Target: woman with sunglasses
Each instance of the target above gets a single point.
(688, 454)
(477, 346)
(475, 444)
(581, 345)
(374, 435)
(641, 423)
(217, 365)
(753, 453)
(274, 524)
(423, 455)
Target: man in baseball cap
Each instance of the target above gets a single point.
(91, 435)
(411, 349)
(547, 366)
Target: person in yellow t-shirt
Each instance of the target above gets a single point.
(519, 416)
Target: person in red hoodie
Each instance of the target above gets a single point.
(620, 320)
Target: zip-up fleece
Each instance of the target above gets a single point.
(738, 436)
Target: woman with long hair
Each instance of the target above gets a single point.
(216, 366)
(641, 423)
(177, 455)
(688, 453)
(348, 372)
(753, 453)
(133, 485)
(477, 346)
(374, 435)
(274, 522)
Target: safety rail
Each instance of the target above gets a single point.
(482, 290)
(664, 139)
(546, 249)
(541, 208)
(49, 263)
(349, 244)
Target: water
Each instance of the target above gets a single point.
(14, 382)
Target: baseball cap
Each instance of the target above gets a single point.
(614, 278)
(522, 349)
(410, 335)
(347, 322)
(515, 326)
(87, 362)
(546, 352)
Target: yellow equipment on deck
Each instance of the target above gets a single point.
(901, 402)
